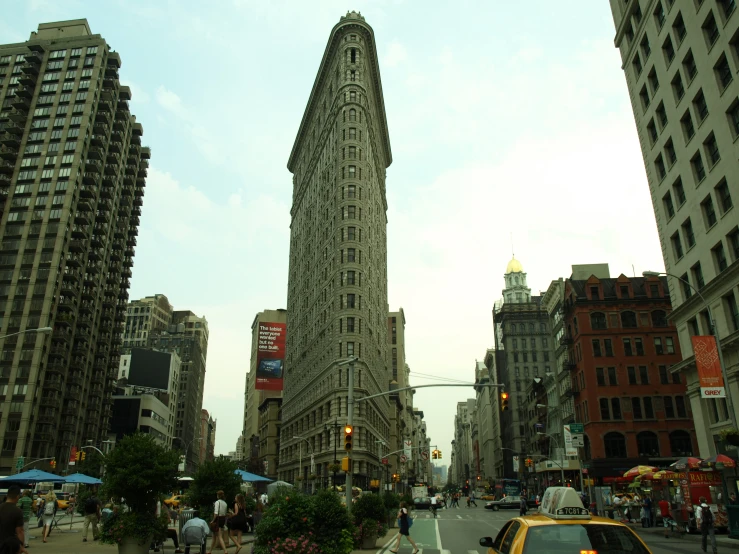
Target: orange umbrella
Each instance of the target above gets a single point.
(639, 470)
(720, 459)
(659, 475)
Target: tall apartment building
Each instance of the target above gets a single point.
(488, 419)
(205, 447)
(72, 172)
(253, 396)
(153, 323)
(622, 347)
(525, 352)
(679, 59)
(337, 286)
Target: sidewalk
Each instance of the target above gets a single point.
(722, 540)
(381, 542)
(69, 541)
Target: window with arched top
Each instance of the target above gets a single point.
(523, 327)
(598, 320)
(531, 327)
(628, 319)
(647, 444)
(615, 445)
(352, 115)
(680, 444)
(659, 318)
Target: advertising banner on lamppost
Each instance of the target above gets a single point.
(570, 450)
(407, 449)
(707, 362)
(270, 355)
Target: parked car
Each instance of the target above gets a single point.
(421, 503)
(510, 503)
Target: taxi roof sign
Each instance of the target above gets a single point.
(563, 503)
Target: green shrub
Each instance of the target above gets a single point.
(330, 520)
(288, 516)
(391, 502)
(211, 477)
(368, 506)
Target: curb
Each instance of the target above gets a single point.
(721, 540)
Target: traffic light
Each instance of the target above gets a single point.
(345, 464)
(82, 457)
(438, 454)
(503, 401)
(348, 434)
(52, 463)
(77, 456)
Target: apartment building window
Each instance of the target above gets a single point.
(659, 15)
(616, 408)
(723, 72)
(691, 70)
(680, 405)
(710, 30)
(667, 203)
(727, 7)
(628, 319)
(669, 50)
(679, 192)
(648, 408)
(636, 408)
(645, 47)
(654, 82)
(709, 213)
(724, 197)
(670, 349)
(608, 347)
(658, 346)
(659, 317)
(639, 345)
(734, 243)
(596, 348)
(631, 371)
(670, 153)
(701, 106)
(659, 166)
(712, 149)
(732, 311)
(661, 115)
(697, 272)
(350, 300)
(605, 413)
(652, 131)
(612, 378)
(669, 407)
(664, 378)
(687, 293)
(600, 376)
(677, 86)
(644, 95)
(699, 170)
(637, 64)
(686, 122)
(627, 347)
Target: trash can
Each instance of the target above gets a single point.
(185, 516)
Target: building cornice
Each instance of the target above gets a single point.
(346, 23)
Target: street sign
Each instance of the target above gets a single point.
(403, 458)
(385, 461)
(425, 454)
(586, 466)
(19, 463)
(578, 441)
(515, 463)
(577, 428)
(584, 471)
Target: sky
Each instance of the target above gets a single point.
(511, 130)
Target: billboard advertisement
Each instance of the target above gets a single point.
(270, 355)
(149, 369)
(709, 367)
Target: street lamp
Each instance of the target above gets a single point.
(300, 455)
(561, 469)
(187, 448)
(39, 330)
(336, 425)
(714, 332)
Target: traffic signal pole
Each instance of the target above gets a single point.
(350, 423)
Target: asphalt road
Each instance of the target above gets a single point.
(458, 531)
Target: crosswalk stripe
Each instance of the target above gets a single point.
(448, 552)
(460, 517)
(472, 552)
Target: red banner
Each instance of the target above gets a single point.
(73, 455)
(705, 478)
(709, 366)
(270, 355)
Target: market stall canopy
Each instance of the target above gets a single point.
(687, 463)
(659, 475)
(639, 470)
(272, 487)
(82, 479)
(251, 477)
(185, 479)
(33, 476)
(714, 461)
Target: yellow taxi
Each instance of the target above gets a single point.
(487, 496)
(174, 500)
(563, 525)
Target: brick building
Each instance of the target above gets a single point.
(621, 347)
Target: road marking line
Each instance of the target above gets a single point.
(386, 546)
(472, 552)
(450, 552)
(438, 535)
(460, 517)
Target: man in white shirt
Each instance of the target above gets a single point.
(433, 505)
(704, 517)
(220, 510)
(264, 499)
(195, 532)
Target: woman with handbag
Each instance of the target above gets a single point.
(217, 524)
(404, 523)
(237, 522)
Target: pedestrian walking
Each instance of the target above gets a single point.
(704, 515)
(733, 500)
(25, 503)
(404, 531)
(11, 545)
(11, 518)
(218, 523)
(433, 506)
(648, 511)
(49, 511)
(472, 498)
(237, 522)
(92, 517)
(523, 508)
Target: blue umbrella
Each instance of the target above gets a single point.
(33, 476)
(82, 479)
(251, 477)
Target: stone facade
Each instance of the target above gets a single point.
(337, 284)
(688, 129)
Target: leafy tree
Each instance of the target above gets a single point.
(93, 463)
(139, 470)
(330, 518)
(211, 477)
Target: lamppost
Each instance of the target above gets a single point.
(38, 330)
(336, 425)
(300, 455)
(561, 469)
(714, 332)
(187, 448)
(579, 463)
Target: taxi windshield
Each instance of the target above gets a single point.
(572, 539)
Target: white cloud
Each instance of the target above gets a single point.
(170, 101)
(395, 55)
(138, 94)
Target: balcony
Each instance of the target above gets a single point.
(58, 352)
(569, 365)
(565, 339)
(78, 363)
(95, 153)
(105, 106)
(54, 383)
(25, 91)
(22, 104)
(34, 57)
(30, 68)
(131, 169)
(47, 418)
(51, 401)
(11, 140)
(75, 379)
(28, 79)
(115, 146)
(88, 190)
(102, 117)
(8, 152)
(6, 167)
(98, 140)
(93, 166)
